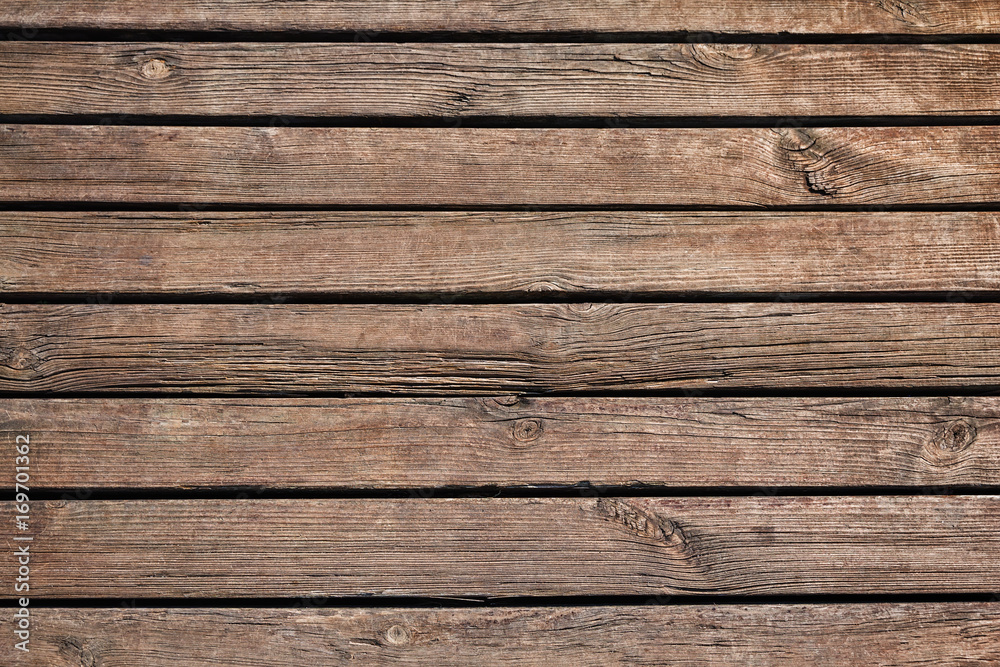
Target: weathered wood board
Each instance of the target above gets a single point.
(435, 80)
(235, 348)
(892, 635)
(496, 254)
(502, 547)
(392, 166)
(507, 441)
(847, 17)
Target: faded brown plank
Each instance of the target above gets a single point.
(890, 635)
(456, 80)
(737, 16)
(514, 546)
(84, 445)
(479, 348)
(445, 166)
(494, 252)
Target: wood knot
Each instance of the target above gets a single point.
(908, 13)
(76, 650)
(794, 139)
(19, 358)
(803, 149)
(527, 430)
(639, 521)
(819, 184)
(582, 308)
(397, 635)
(722, 56)
(501, 405)
(155, 69)
(545, 286)
(951, 439)
(508, 401)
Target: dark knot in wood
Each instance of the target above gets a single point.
(527, 430)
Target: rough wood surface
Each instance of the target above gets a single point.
(507, 441)
(890, 635)
(495, 253)
(455, 80)
(446, 166)
(513, 546)
(478, 348)
(367, 17)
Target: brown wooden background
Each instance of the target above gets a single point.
(573, 332)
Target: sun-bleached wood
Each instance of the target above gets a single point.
(891, 635)
(82, 445)
(496, 253)
(489, 79)
(367, 18)
(496, 348)
(288, 548)
(365, 166)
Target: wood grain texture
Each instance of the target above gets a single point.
(890, 635)
(443, 166)
(513, 547)
(732, 16)
(457, 80)
(506, 441)
(481, 348)
(494, 253)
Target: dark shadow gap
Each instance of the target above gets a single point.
(500, 122)
(579, 490)
(196, 208)
(185, 392)
(491, 298)
(49, 33)
(418, 602)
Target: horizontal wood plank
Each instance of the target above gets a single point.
(444, 166)
(890, 635)
(737, 16)
(512, 547)
(495, 253)
(457, 80)
(481, 348)
(83, 445)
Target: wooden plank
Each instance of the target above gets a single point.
(496, 253)
(479, 348)
(891, 635)
(512, 546)
(733, 16)
(506, 441)
(482, 167)
(457, 80)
